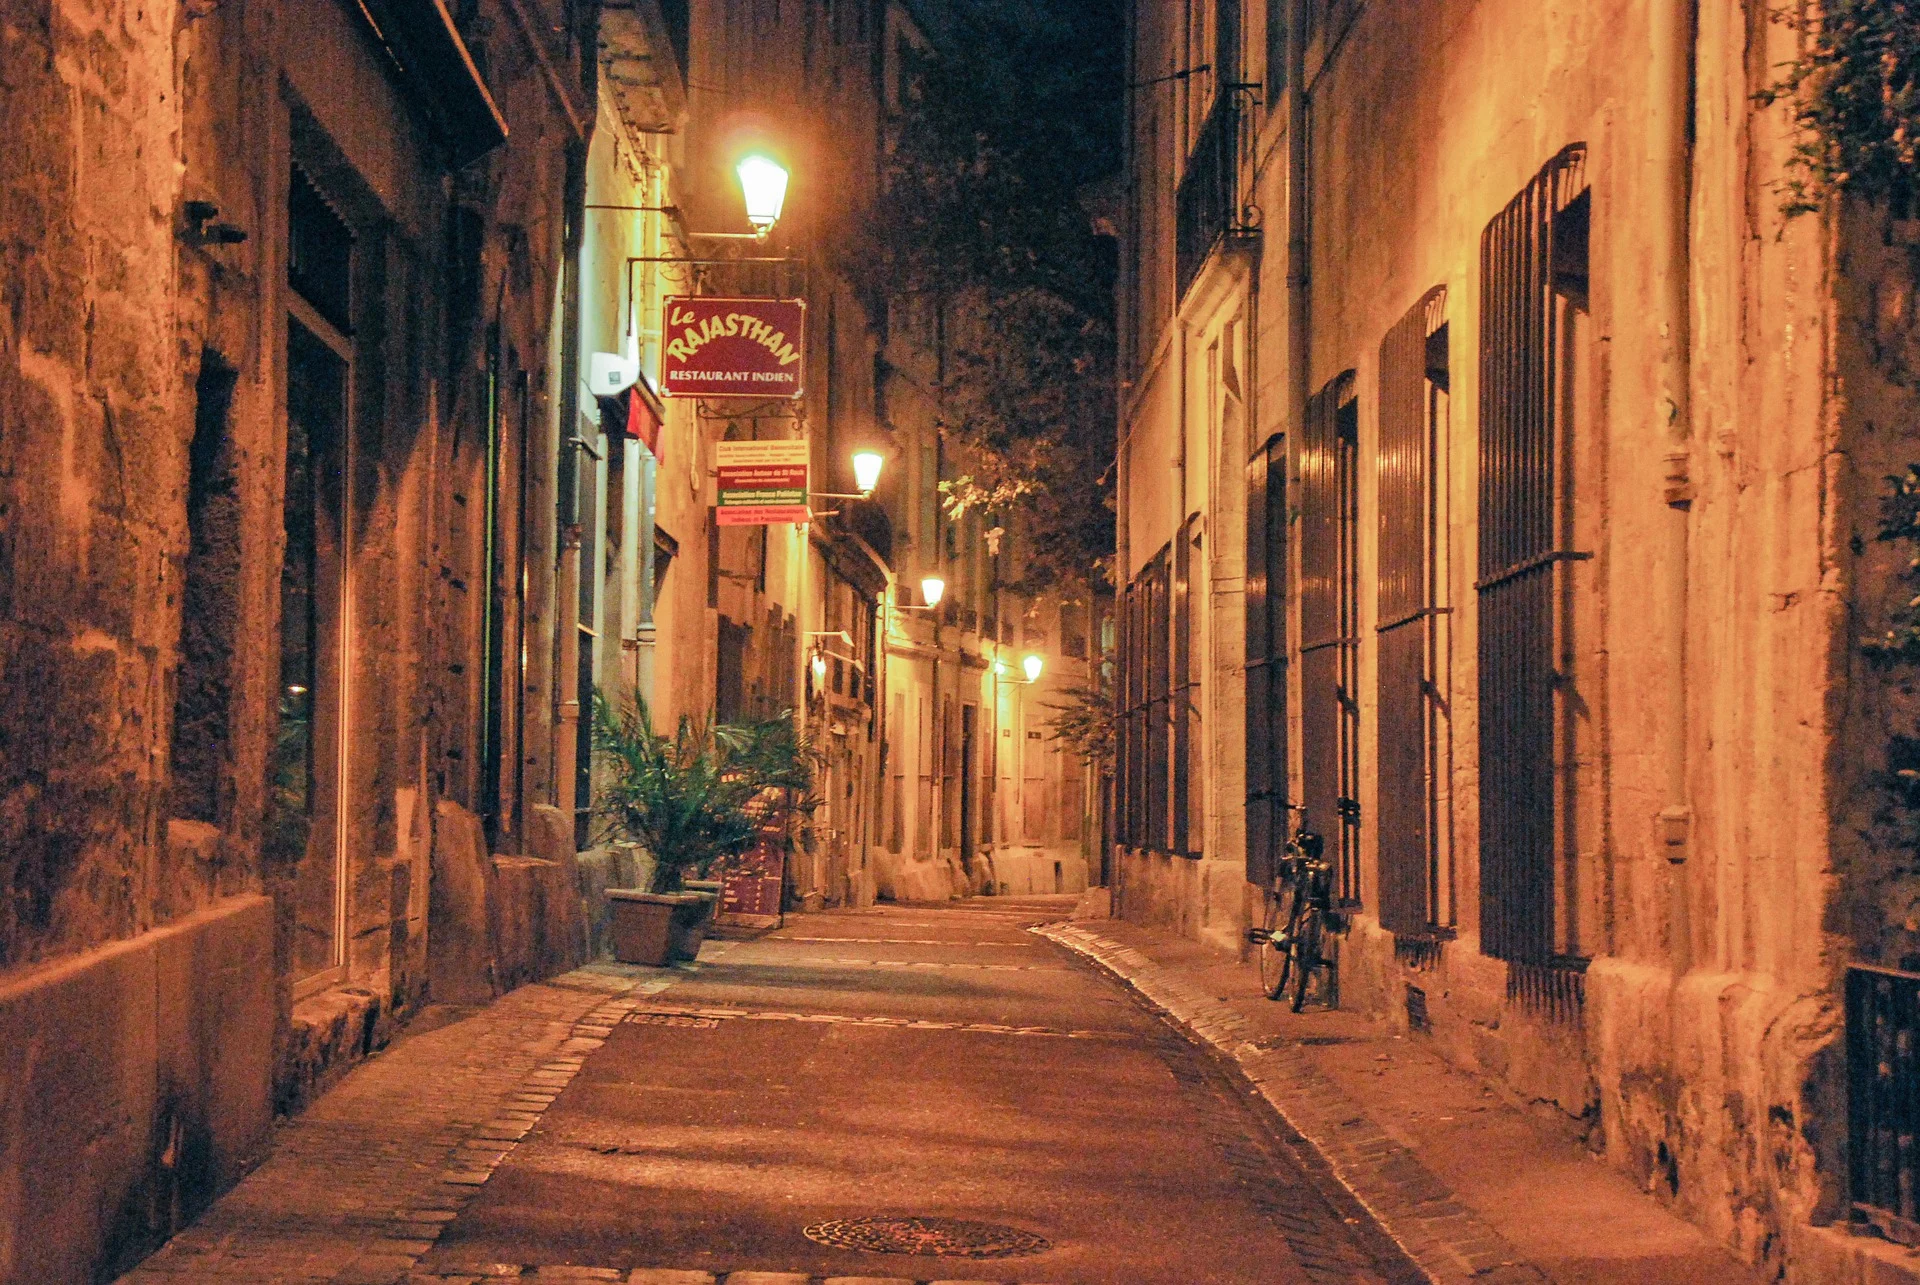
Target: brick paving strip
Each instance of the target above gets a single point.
(1444, 1237)
(709, 1017)
(356, 1190)
(668, 1276)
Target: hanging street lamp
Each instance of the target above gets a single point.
(763, 182)
(866, 470)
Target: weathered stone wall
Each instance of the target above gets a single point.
(94, 391)
(143, 395)
(1701, 1043)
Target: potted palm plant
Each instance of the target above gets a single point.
(690, 799)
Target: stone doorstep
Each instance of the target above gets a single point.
(1386, 1178)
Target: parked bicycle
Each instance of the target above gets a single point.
(1298, 907)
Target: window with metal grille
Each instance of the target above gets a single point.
(1415, 891)
(1531, 256)
(1883, 1100)
(1266, 598)
(1122, 716)
(1149, 704)
(1184, 690)
(1133, 689)
(1329, 628)
(1158, 631)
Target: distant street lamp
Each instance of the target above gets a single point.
(932, 589)
(866, 475)
(763, 183)
(1032, 664)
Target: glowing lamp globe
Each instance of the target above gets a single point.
(1032, 665)
(764, 185)
(866, 470)
(932, 590)
(819, 669)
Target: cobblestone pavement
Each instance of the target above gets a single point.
(1387, 1133)
(1446, 1238)
(964, 1089)
(359, 1186)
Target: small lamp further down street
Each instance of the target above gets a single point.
(1032, 664)
(866, 470)
(932, 589)
(764, 185)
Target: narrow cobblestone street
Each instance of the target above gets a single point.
(634, 1124)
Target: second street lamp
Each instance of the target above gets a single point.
(866, 476)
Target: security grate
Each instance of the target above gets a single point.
(1329, 633)
(1883, 1100)
(1413, 392)
(1183, 688)
(1159, 634)
(1523, 534)
(1266, 660)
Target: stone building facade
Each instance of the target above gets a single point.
(908, 706)
(1500, 476)
(280, 402)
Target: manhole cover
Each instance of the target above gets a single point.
(942, 1237)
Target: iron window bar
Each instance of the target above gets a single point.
(1883, 1100)
(1522, 542)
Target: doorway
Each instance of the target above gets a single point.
(308, 760)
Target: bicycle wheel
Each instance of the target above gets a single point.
(1275, 962)
(1303, 949)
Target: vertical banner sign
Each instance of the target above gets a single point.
(761, 482)
(733, 347)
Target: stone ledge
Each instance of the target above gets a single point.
(140, 1074)
(1834, 1256)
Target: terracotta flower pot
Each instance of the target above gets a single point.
(657, 927)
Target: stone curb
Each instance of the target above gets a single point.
(1444, 1237)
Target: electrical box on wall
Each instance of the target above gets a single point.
(609, 373)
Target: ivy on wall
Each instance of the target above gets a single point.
(1898, 649)
(1855, 93)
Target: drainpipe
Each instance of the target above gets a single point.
(937, 823)
(1673, 26)
(566, 607)
(1180, 429)
(1298, 286)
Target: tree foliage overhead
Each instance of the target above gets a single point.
(982, 218)
(1855, 91)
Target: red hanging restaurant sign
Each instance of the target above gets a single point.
(733, 347)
